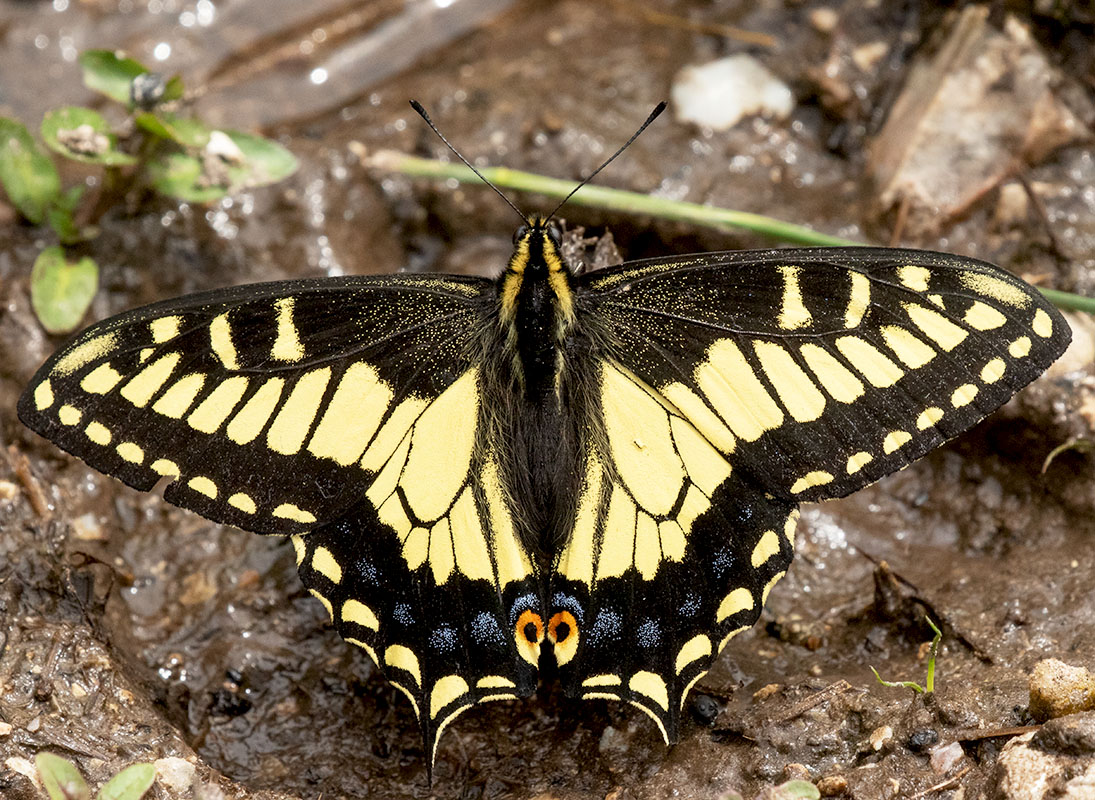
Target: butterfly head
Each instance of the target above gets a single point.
(537, 261)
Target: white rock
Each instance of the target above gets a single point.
(718, 94)
(945, 756)
(175, 773)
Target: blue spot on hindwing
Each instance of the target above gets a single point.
(403, 614)
(444, 639)
(649, 633)
(485, 630)
(522, 604)
(606, 627)
(571, 604)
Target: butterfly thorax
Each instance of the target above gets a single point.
(536, 309)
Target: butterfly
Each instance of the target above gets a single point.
(594, 472)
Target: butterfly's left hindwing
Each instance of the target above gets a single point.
(427, 573)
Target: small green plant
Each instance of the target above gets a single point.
(154, 146)
(62, 781)
(1076, 445)
(929, 682)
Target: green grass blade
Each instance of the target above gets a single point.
(634, 203)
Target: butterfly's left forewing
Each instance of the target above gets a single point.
(267, 406)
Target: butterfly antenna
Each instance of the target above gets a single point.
(658, 109)
(422, 113)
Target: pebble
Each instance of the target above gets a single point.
(832, 786)
(1072, 735)
(719, 94)
(176, 774)
(1057, 689)
(944, 757)
(880, 737)
(824, 19)
(1027, 772)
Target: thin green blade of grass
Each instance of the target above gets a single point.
(635, 203)
(608, 198)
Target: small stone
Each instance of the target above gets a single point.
(824, 19)
(8, 490)
(176, 774)
(23, 767)
(719, 94)
(944, 757)
(220, 145)
(867, 56)
(86, 528)
(1025, 772)
(704, 709)
(921, 740)
(796, 772)
(6, 728)
(764, 692)
(1057, 689)
(880, 737)
(197, 588)
(84, 139)
(613, 742)
(832, 786)
(209, 791)
(1012, 205)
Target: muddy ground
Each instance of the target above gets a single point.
(135, 631)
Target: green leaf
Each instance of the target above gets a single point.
(60, 292)
(129, 784)
(180, 176)
(797, 790)
(27, 174)
(61, 215)
(268, 162)
(229, 161)
(174, 89)
(110, 72)
(187, 131)
(61, 779)
(83, 135)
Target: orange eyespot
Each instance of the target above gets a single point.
(529, 633)
(563, 632)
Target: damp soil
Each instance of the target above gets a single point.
(137, 631)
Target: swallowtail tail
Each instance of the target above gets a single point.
(602, 469)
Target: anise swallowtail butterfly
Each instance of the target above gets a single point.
(598, 469)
